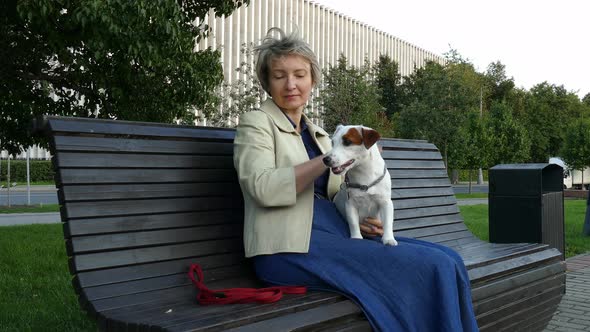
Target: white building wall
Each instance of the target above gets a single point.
(328, 32)
(35, 153)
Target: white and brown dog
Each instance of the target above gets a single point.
(366, 191)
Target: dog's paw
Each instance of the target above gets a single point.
(389, 241)
(356, 236)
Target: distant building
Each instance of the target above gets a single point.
(329, 33)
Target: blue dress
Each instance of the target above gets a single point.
(414, 286)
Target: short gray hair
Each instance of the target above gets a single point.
(273, 47)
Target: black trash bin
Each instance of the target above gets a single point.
(526, 204)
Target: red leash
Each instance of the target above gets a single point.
(207, 296)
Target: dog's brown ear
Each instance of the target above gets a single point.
(370, 136)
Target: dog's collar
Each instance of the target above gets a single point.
(364, 187)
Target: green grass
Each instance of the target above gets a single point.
(472, 195)
(30, 209)
(35, 284)
(476, 219)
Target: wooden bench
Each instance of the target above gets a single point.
(141, 201)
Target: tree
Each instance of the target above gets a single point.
(438, 99)
(119, 59)
(510, 140)
(586, 99)
(232, 99)
(349, 96)
(472, 145)
(576, 149)
(548, 110)
(388, 80)
(499, 86)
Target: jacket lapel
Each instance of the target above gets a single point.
(278, 117)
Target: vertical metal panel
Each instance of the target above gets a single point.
(553, 221)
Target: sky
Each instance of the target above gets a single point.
(537, 41)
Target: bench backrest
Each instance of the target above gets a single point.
(141, 201)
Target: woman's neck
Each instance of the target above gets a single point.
(295, 116)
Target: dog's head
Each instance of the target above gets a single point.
(350, 144)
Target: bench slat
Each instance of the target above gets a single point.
(528, 290)
(327, 314)
(393, 165)
(92, 261)
(151, 206)
(442, 238)
(417, 174)
(183, 316)
(419, 183)
(494, 288)
(119, 224)
(410, 203)
(426, 221)
(421, 192)
(118, 175)
(389, 143)
(92, 126)
(128, 145)
(158, 269)
(408, 155)
(162, 282)
(98, 192)
(434, 230)
(425, 212)
(496, 270)
(495, 317)
(138, 161)
(92, 243)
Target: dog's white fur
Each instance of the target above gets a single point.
(363, 164)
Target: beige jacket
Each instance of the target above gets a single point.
(266, 149)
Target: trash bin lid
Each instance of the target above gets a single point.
(525, 179)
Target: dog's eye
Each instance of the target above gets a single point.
(346, 141)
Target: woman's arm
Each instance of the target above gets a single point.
(307, 172)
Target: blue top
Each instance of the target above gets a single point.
(321, 183)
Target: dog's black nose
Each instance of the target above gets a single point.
(327, 160)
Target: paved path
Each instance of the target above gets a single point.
(472, 201)
(12, 219)
(573, 313)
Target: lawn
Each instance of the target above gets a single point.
(35, 284)
(472, 195)
(476, 219)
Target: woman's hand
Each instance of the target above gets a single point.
(371, 227)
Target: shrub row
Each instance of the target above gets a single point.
(40, 170)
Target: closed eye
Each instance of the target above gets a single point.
(346, 141)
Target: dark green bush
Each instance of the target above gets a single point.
(40, 170)
(464, 175)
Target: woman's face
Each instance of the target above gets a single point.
(290, 82)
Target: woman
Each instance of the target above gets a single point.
(293, 231)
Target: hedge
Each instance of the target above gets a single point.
(40, 170)
(464, 175)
